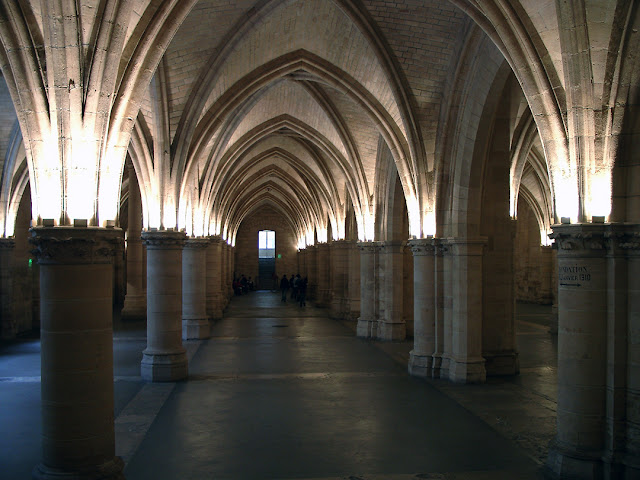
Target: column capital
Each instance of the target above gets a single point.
(163, 239)
(422, 246)
(466, 246)
(580, 238)
(340, 243)
(625, 237)
(7, 243)
(196, 242)
(215, 239)
(368, 247)
(74, 245)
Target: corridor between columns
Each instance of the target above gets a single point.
(279, 391)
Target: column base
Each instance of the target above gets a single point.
(436, 369)
(135, 307)
(467, 371)
(504, 363)
(561, 464)
(164, 367)
(391, 331)
(111, 470)
(363, 329)
(420, 365)
(195, 328)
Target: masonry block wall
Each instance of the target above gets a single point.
(265, 218)
(533, 263)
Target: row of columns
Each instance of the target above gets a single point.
(76, 294)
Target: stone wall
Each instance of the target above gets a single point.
(533, 262)
(246, 253)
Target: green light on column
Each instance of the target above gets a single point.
(30, 262)
(279, 255)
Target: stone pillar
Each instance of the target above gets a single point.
(424, 336)
(195, 323)
(135, 302)
(224, 266)
(367, 289)
(76, 291)
(466, 364)
(353, 281)
(164, 359)
(391, 325)
(311, 272)
(631, 243)
(447, 343)
(231, 262)
(215, 278)
(582, 350)
(7, 317)
(322, 267)
(339, 266)
(439, 299)
(119, 272)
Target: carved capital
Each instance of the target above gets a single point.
(213, 239)
(196, 243)
(163, 239)
(368, 248)
(75, 246)
(422, 246)
(340, 244)
(623, 238)
(580, 239)
(7, 243)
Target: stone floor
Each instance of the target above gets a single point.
(281, 392)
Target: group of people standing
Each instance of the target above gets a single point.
(298, 287)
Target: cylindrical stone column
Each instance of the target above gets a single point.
(631, 243)
(438, 285)
(467, 364)
(367, 289)
(76, 289)
(338, 259)
(231, 262)
(353, 281)
(447, 308)
(224, 265)
(582, 350)
(7, 317)
(135, 301)
(215, 278)
(424, 327)
(312, 275)
(322, 268)
(391, 324)
(195, 322)
(164, 359)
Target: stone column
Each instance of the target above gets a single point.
(424, 326)
(339, 265)
(195, 323)
(119, 272)
(322, 267)
(391, 325)
(631, 243)
(231, 262)
(439, 298)
(312, 286)
(447, 308)
(135, 302)
(466, 364)
(76, 290)
(378, 289)
(367, 289)
(353, 281)
(224, 266)
(7, 317)
(582, 350)
(164, 359)
(215, 278)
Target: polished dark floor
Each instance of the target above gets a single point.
(281, 392)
